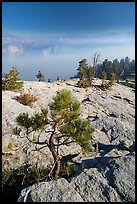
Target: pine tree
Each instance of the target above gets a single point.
(58, 78)
(116, 69)
(11, 81)
(113, 77)
(90, 75)
(40, 76)
(86, 74)
(67, 127)
(104, 76)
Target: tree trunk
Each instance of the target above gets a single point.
(56, 157)
(118, 80)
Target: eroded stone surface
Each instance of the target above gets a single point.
(109, 174)
(53, 191)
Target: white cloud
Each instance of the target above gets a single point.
(47, 52)
(66, 43)
(62, 53)
(14, 49)
(53, 50)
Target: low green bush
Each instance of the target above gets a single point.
(23, 176)
(15, 180)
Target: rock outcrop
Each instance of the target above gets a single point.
(111, 180)
(52, 191)
(107, 175)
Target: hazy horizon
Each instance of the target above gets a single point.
(54, 37)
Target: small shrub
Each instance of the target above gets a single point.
(68, 170)
(84, 83)
(16, 131)
(10, 146)
(8, 150)
(5, 175)
(14, 180)
(26, 99)
(24, 176)
(11, 81)
(106, 86)
(15, 159)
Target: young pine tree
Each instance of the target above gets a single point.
(104, 76)
(67, 127)
(113, 77)
(11, 81)
(86, 74)
(90, 75)
(40, 76)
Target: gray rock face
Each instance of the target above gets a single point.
(124, 177)
(109, 174)
(54, 191)
(93, 187)
(114, 127)
(113, 179)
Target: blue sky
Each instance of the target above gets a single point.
(54, 36)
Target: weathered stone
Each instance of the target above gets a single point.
(106, 176)
(112, 180)
(53, 191)
(124, 177)
(93, 187)
(127, 143)
(118, 167)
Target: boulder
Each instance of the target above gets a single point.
(111, 180)
(53, 191)
(93, 187)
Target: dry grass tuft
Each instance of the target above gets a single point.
(26, 99)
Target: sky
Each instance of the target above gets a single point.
(54, 36)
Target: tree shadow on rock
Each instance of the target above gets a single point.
(102, 162)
